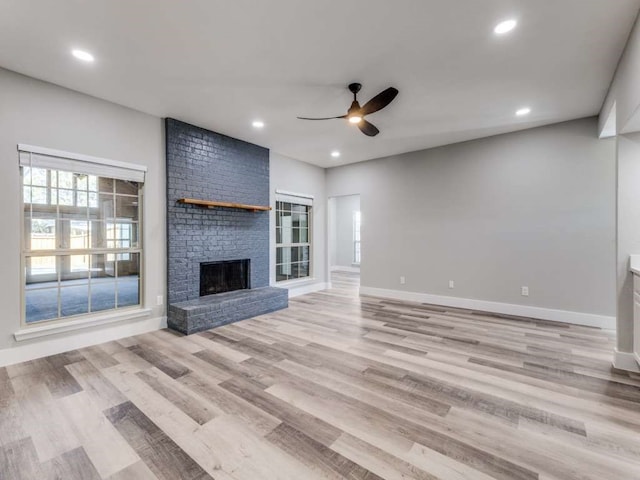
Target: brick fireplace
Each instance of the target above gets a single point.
(209, 166)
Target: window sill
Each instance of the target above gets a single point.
(30, 333)
(294, 283)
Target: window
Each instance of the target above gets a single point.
(356, 238)
(293, 237)
(82, 245)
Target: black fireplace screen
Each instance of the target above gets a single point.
(219, 277)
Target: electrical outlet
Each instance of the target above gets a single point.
(452, 284)
(525, 291)
(402, 281)
(159, 300)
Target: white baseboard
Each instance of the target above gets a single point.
(338, 268)
(564, 316)
(626, 361)
(310, 288)
(30, 350)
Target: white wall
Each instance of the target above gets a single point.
(42, 114)
(292, 175)
(346, 206)
(628, 233)
(533, 208)
(620, 115)
(624, 94)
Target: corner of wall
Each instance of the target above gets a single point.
(626, 361)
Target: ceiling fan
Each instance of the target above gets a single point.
(356, 113)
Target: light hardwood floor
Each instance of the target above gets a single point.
(334, 387)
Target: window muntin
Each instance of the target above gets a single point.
(82, 250)
(293, 241)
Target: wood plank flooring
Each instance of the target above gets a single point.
(334, 387)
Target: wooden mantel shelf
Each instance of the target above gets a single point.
(212, 204)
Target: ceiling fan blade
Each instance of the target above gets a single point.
(326, 118)
(379, 101)
(368, 129)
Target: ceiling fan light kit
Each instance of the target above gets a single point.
(356, 113)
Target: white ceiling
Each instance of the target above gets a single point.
(221, 64)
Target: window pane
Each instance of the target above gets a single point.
(65, 180)
(26, 194)
(74, 298)
(103, 284)
(82, 199)
(39, 177)
(78, 263)
(303, 269)
(304, 254)
(26, 175)
(128, 280)
(93, 200)
(43, 234)
(39, 195)
(73, 268)
(283, 272)
(105, 185)
(296, 235)
(286, 220)
(286, 254)
(106, 205)
(79, 234)
(65, 197)
(41, 304)
(121, 235)
(304, 235)
(287, 235)
(126, 187)
(98, 234)
(81, 182)
(286, 207)
(41, 266)
(127, 207)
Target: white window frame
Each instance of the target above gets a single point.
(298, 199)
(46, 158)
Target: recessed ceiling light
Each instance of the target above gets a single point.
(258, 124)
(523, 111)
(82, 55)
(505, 27)
(335, 154)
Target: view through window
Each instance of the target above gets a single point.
(81, 250)
(293, 240)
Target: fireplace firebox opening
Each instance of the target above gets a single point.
(224, 276)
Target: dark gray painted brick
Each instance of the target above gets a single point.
(216, 310)
(209, 166)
